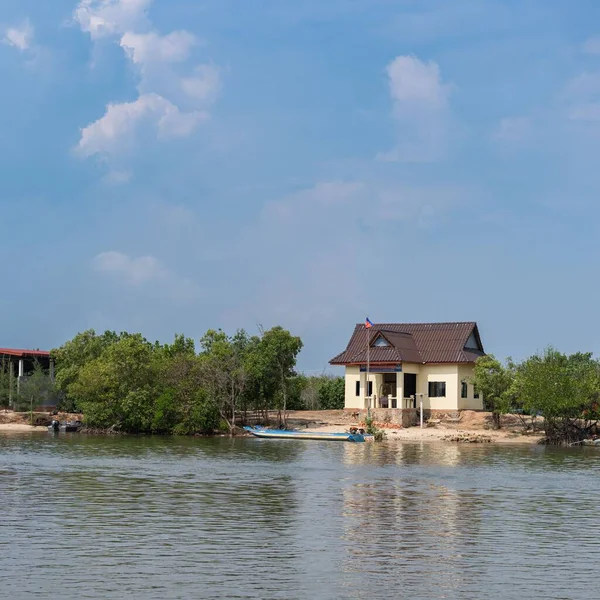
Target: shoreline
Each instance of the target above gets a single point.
(21, 427)
(473, 427)
(430, 434)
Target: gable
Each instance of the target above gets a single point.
(472, 343)
(380, 342)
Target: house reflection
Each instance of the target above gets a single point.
(412, 525)
(413, 453)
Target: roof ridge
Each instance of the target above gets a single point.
(423, 323)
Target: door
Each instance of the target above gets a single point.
(410, 388)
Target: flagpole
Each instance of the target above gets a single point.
(368, 362)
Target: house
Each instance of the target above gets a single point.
(410, 362)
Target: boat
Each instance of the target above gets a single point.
(293, 434)
(68, 427)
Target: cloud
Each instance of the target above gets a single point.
(421, 109)
(134, 271)
(151, 47)
(172, 101)
(115, 131)
(104, 18)
(19, 37)
(306, 258)
(416, 84)
(513, 129)
(204, 84)
(582, 95)
(116, 177)
(146, 272)
(592, 45)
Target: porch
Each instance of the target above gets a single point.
(389, 387)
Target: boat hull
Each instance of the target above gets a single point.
(283, 434)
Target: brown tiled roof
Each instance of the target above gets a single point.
(412, 342)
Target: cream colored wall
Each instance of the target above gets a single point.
(452, 375)
(465, 372)
(351, 399)
(446, 373)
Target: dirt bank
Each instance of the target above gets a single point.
(468, 425)
(20, 421)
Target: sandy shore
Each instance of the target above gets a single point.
(20, 427)
(431, 434)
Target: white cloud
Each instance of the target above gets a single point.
(112, 133)
(103, 18)
(19, 37)
(513, 129)
(171, 102)
(592, 45)
(143, 48)
(421, 110)
(416, 84)
(147, 272)
(204, 84)
(134, 271)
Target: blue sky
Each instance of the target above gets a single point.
(174, 166)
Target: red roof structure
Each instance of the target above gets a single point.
(413, 342)
(24, 353)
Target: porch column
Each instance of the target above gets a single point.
(21, 373)
(400, 389)
(51, 369)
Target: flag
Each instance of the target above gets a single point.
(368, 323)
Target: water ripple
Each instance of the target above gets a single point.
(101, 517)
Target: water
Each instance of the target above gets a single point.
(127, 517)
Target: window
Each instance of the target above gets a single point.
(475, 392)
(463, 390)
(380, 341)
(358, 388)
(437, 389)
(370, 389)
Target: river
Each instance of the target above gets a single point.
(156, 517)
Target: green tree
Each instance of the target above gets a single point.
(118, 388)
(34, 390)
(564, 389)
(332, 393)
(75, 354)
(224, 372)
(275, 362)
(494, 381)
(6, 383)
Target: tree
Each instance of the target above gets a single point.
(223, 364)
(275, 361)
(34, 390)
(7, 386)
(493, 381)
(332, 391)
(564, 389)
(75, 354)
(118, 388)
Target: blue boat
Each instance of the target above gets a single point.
(263, 432)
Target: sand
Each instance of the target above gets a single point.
(20, 427)
(472, 424)
(434, 434)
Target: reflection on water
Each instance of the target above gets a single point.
(104, 517)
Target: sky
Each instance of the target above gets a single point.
(174, 166)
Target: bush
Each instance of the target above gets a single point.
(331, 394)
